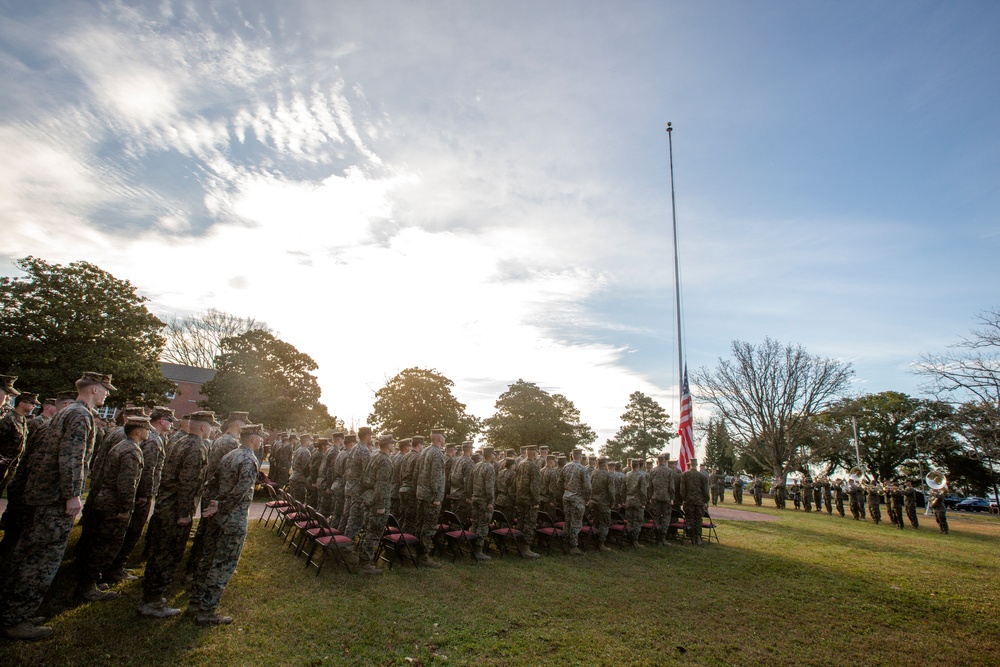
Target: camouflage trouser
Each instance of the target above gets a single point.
(856, 511)
(406, 513)
(28, 572)
(481, 515)
(297, 487)
(98, 548)
(807, 501)
(345, 514)
(140, 513)
(828, 500)
(738, 496)
(875, 512)
(198, 544)
(356, 517)
(911, 514)
(374, 528)
(602, 522)
(574, 519)
(337, 509)
(693, 513)
(312, 495)
(661, 517)
(941, 516)
(461, 509)
(840, 506)
(634, 517)
(166, 551)
(528, 521)
(16, 517)
(217, 565)
(758, 499)
(426, 525)
(325, 506)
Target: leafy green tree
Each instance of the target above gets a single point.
(645, 431)
(416, 400)
(271, 379)
(59, 321)
(719, 452)
(528, 415)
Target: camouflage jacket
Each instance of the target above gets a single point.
(408, 471)
(337, 475)
(662, 483)
(123, 466)
(17, 485)
(527, 483)
(637, 488)
(281, 455)
(694, 487)
(152, 466)
(376, 481)
(324, 480)
(430, 474)
(235, 479)
(549, 484)
(505, 487)
(221, 446)
(13, 436)
(183, 476)
(482, 483)
(603, 489)
(620, 489)
(316, 462)
(460, 472)
(300, 464)
(58, 470)
(578, 483)
(354, 469)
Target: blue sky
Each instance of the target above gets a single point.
(482, 188)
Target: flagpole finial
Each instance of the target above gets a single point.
(669, 128)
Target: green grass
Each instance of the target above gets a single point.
(807, 590)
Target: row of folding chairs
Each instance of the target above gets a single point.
(303, 529)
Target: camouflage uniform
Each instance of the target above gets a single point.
(280, 462)
(481, 489)
(940, 510)
(221, 446)
(828, 497)
(114, 495)
(620, 489)
(662, 489)
(603, 499)
(338, 514)
(407, 511)
(807, 495)
(460, 471)
(713, 481)
(695, 494)
(232, 487)
(575, 499)
(376, 495)
(13, 436)
(505, 496)
(818, 496)
(18, 514)
(527, 490)
(738, 490)
(298, 483)
(354, 505)
(180, 485)
(324, 481)
(56, 473)
(149, 485)
(838, 491)
(854, 494)
(910, 501)
(757, 488)
(312, 484)
(778, 490)
(874, 501)
(430, 490)
(637, 494)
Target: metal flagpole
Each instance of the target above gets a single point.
(677, 270)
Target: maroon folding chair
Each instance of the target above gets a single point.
(501, 532)
(397, 543)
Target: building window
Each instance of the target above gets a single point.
(171, 395)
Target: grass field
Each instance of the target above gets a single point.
(809, 589)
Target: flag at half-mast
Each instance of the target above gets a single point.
(686, 428)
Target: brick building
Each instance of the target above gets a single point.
(188, 379)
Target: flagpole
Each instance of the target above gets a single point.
(677, 270)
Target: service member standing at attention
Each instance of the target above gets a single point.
(232, 489)
(637, 491)
(460, 471)
(14, 435)
(527, 494)
(180, 485)
(430, 495)
(315, 463)
(298, 482)
(738, 490)
(354, 471)
(376, 494)
(341, 510)
(324, 483)
(603, 499)
(407, 511)
(695, 493)
(575, 498)
(53, 487)
(661, 492)
(482, 493)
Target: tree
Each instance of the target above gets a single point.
(528, 415)
(719, 451)
(271, 379)
(972, 369)
(416, 400)
(58, 322)
(766, 395)
(646, 429)
(893, 429)
(197, 341)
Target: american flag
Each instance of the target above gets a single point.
(686, 425)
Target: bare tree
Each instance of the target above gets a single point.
(197, 340)
(767, 394)
(972, 368)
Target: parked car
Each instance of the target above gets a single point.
(974, 505)
(952, 500)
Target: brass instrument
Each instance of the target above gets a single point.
(936, 480)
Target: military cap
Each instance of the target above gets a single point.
(7, 385)
(418, 439)
(545, 447)
(337, 434)
(509, 452)
(560, 457)
(692, 463)
(134, 411)
(531, 448)
(577, 451)
(551, 457)
(238, 416)
(405, 442)
(364, 430)
(488, 451)
(386, 439)
(602, 461)
(467, 445)
(293, 437)
(253, 429)
(510, 461)
(66, 396)
(437, 431)
(137, 420)
(50, 401)
(320, 442)
(351, 437)
(160, 412)
(204, 416)
(25, 397)
(450, 445)
(102, 379)
(477, 456)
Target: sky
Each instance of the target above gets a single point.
(484, 188)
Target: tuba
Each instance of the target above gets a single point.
(936, 480)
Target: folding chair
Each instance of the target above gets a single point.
(327, 539)
(457, 537)
(618, 530)
(677, 525)
(707, 524)
(272, 506)
(547, 532)
(289, 514)
(501, 532)
(304, 521)
(588, 531)
(648, 530)
(395, 541)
